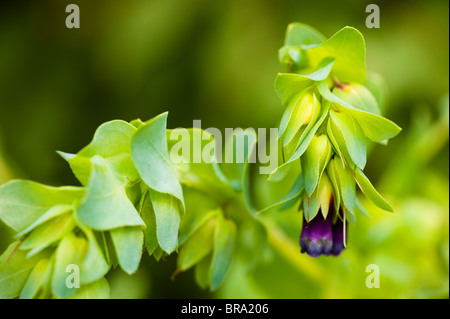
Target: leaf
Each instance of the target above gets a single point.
(106, 205)
(167, 216)
(94, 265)
(302, 114)
(314, 161)
(370, 192)
(281, 171)
(148, 215)
(333, 175)
(303, 35)
(112, 141)
(23, 202)
(71, 251)
(358, 96)
(96, 290)
(294, 193)
(202, 272)
(199, 208)
(149, 145)
(298, 37)
(355, 141)
(196, 162)
(14, 270)
(375, 127)
(348, 48)
(48, 233)
(36, 279)
(128, 243)
(240, 149)
(224, 239)
(52, 212)
(199, 245)
(378, 87)
(311, 206)
(347, 185)
(252, 241)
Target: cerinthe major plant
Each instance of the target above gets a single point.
(133, 198)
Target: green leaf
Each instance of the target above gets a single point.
(105, 204)
(199, 245)
(48, 233)
(23, 202)
(375, 127)
(128, 243)
(370, 192)
(96, 290)
(202, 272)
(347, 185)
(252, 242)
(112, 141)
(333, 175)
(314, 161)
(94, 265)
(358, 96)
(167, 215)
(148, 215)
(195, 166)
(348, 48)
(51, 213)
(303, 35)
(241, 145)
(281, 171)
(199, 208)
(71, 251)
(149, 145)
(302, 115)
(294, 193)
(378, 87)
(36, 279)
(354, 139)
(15, 268)
(311, 206)
(224, 239)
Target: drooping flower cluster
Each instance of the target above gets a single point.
(332, 111)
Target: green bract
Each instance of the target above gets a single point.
(135, 197)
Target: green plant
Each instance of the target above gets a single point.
(135, 199)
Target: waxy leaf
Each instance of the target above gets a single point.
(148, 215)
(48, 233)
(15, 268)
(354, 138)
(348, 48)
(23, 202)
(151, 157)
(128, 243)
(224, 239)
(96, 290)
(167, 216)
(68, 258)
(36, 279)
(370, 192)
(197, 246)
(105, 204)
(112, 141)
(314, 161)
(281, 171)
(358, 96)
(303, 35)
(347, 185)
(375, 127)
(94, 265)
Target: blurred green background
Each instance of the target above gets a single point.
(217, 61)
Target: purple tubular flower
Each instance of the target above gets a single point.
(338, 237)
(317, 236)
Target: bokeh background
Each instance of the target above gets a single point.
(217, 61)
